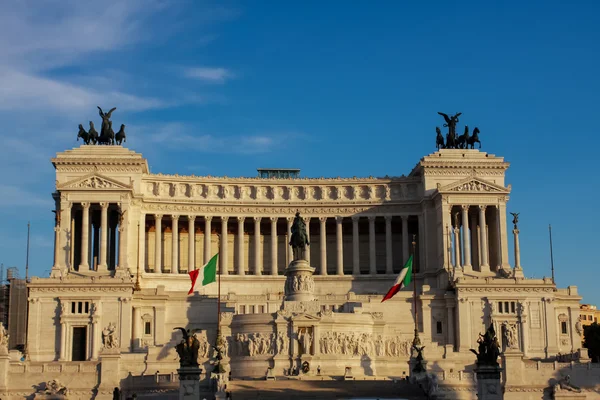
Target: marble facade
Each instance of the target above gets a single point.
(125, 239)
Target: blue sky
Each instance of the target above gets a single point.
(335, 88)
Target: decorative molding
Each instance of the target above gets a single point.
(150, 208)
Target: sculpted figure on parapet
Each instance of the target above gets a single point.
(4, 336)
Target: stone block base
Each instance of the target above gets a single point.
(189, 383)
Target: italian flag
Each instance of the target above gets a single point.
(403, 280)
(207, 274)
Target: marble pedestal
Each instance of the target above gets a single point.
(299, 284)
(110, 361)
(189, 383)
(489, 386)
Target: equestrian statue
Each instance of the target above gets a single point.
(299, 238)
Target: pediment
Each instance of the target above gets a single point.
(473, 185)
(305, 318)
(94, 181)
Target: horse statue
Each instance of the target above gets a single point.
(450, 140)
(107, 136)
(93, 134)
(461, 142)
(83, 135)
(474, 139)
(439, 139)
(120, 136)
(299, 238)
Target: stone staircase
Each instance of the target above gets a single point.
(293, 389)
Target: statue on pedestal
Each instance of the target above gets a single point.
(299, 238)
(489, 349)
(187, 349)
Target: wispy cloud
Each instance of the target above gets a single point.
(177, 136)
(210, 75)
(14, 196)
(28, 92)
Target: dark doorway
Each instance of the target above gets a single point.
(79, 343)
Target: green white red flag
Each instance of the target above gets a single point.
(403, 280)
(207, 274)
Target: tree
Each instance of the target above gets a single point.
(591, 340)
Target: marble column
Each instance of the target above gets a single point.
(340, 245)
(95, 337)
(240, 250)
(372, 255)
(257, 257)
(273, 245)
(224, 246)
(405, 239)
(498, 242)
(85, 236)
(112, 242)
(95, 242)
(457, 261)
(207, 238)
(389, 264)
(63, 341)
(66, 235)
(288, 238)
(157, 243)
(466, 239)
(474, 242)
(517, 250)
(307, 251)
(56, 247)
(191, 243)
(123, 240)
(103, 236)
(485, 266)
(323, 245)
(503, 235)
(141, 257)
(175, 244)
(355, 247)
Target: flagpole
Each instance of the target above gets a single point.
(551, 254)
(416, 340)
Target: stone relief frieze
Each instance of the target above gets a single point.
(364, 344)
(395, 191)
(256, 344)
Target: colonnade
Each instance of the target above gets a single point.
(89, 236)
(154, 230)
(475, 238)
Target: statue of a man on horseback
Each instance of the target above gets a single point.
(299, 238)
